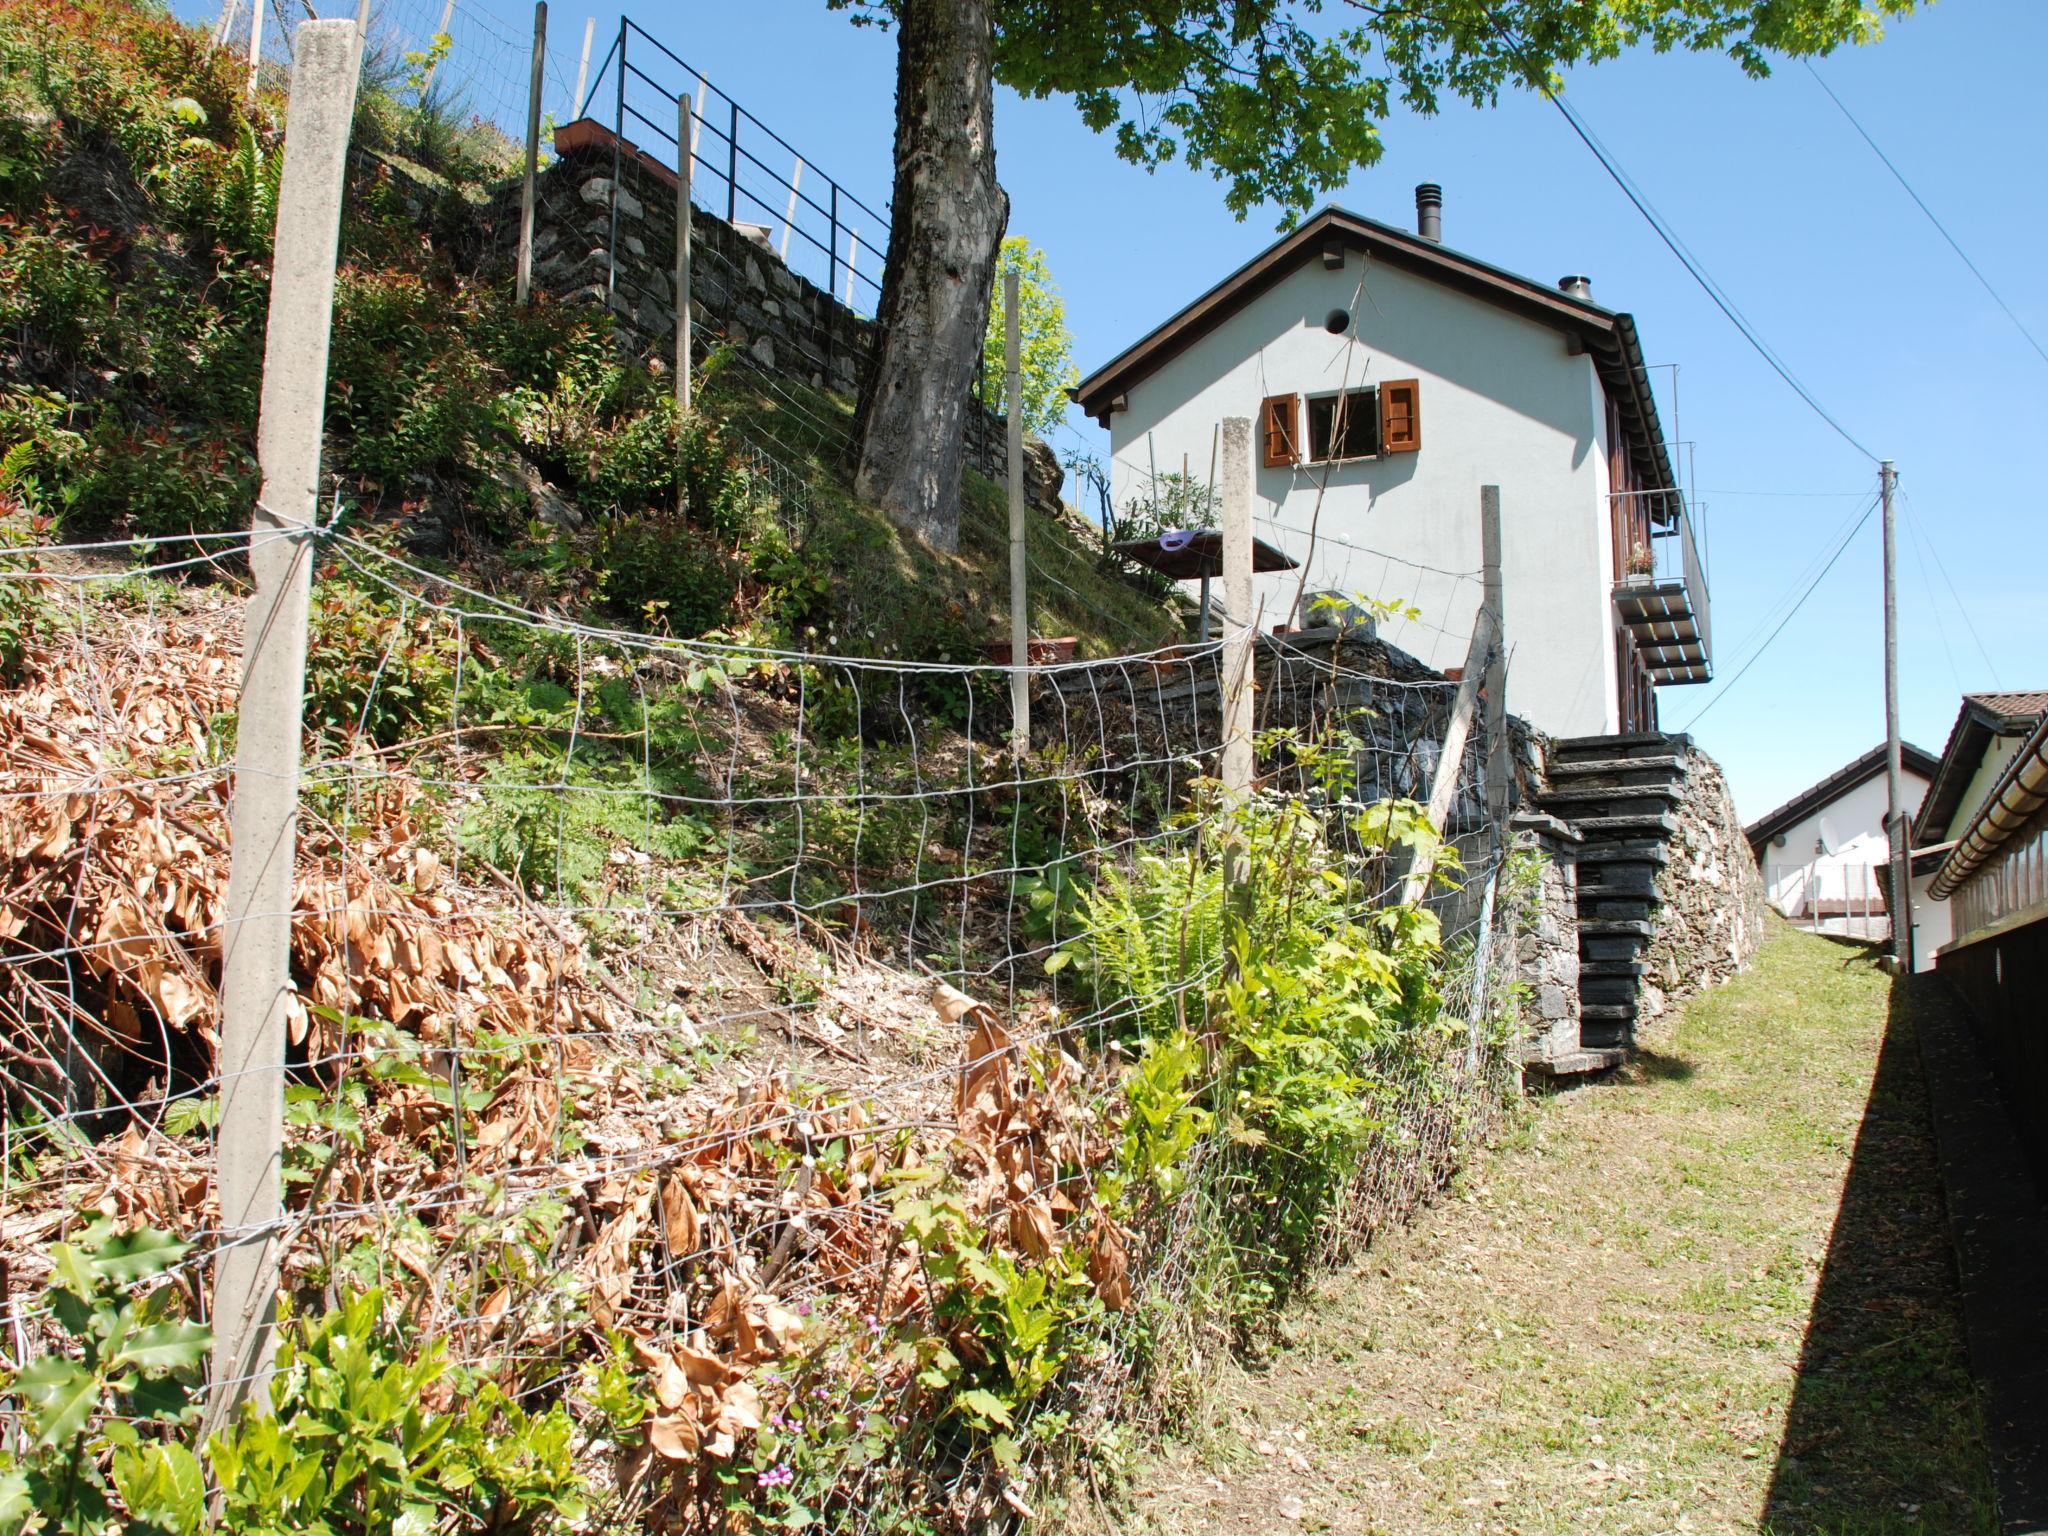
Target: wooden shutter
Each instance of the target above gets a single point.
(1280, 421)
(1400, 416)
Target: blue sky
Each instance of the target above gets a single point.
(1768, 185)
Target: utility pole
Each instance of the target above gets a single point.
(1895, 824)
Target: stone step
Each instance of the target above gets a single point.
(1633, 744)
(1580, 1062)
(1668, 769)
(1607, 1013)
(1607, 989)
(1608, 882)
(1605, 927)
(1619, 970)
(1638, 850)
(1608, 828)
(1604, 803)
(1595, 947)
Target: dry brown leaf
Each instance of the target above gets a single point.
(678, 1218)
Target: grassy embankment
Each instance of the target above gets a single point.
(1712, 1296)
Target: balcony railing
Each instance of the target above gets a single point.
(1666, 607)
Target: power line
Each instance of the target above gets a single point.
(1700, 275)
(1934, 549)
(1921, 202)
(1803, 596)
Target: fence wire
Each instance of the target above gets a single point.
(638, 981)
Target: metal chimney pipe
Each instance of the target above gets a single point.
(1579, 287)
(1429, 211)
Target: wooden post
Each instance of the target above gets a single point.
(256, 987)
(1240, 645)
(685, 233)
(583, 64)
(1020, 610)
(1899, 908)
(1450, 766)
(523, 289)
(1499, 761)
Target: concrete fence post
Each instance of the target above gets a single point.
(686, 312)
(583, 66)
(524, 291)
(435, 53)
(256, 985)
(1020, 608)
(255, 47)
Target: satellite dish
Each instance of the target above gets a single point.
(1829, 843)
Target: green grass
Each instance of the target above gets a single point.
(1715, 1296)
(893, 589)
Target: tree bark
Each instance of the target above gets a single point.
(946, 228)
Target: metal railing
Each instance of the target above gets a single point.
(819, 229)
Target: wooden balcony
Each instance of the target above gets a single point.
(1666, 608)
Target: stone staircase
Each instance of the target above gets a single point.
(1619, 792)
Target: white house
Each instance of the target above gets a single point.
(1390, 378)
(1824, 852)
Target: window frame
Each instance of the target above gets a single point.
(1370, 393)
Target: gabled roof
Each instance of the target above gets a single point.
(1609, 335)
(1833, 787)
(1983, 718)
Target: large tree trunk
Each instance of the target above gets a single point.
(946, 227)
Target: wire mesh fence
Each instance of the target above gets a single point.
(752, 1060)
(707, 998)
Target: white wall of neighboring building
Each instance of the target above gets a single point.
(1998, 755)
(1501, 402)
(1931, 923)
(1837, 854)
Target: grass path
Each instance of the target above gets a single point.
(1641, 1315)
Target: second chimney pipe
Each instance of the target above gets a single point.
(1429, 211)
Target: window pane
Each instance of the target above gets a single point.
(1352, 432)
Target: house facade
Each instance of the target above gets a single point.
(1389, 378)
(1824, 853)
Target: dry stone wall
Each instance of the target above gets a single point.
(1711, 915)
(781, 324)
(1548, 961)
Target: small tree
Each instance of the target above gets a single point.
(1046, 354)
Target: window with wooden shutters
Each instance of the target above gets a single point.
(1345, 426)
(1400, 416)
(1278, 417)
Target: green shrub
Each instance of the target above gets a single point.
(53, 289)
(376, 669)
(157, 485)
(403, 381)
(659, 572)
(108, 1415)
(354, 1446)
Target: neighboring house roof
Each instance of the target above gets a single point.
(1983, 718)
(1831, 788)
(2007, 811)
(1610, 336)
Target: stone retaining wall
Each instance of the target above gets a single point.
(1548, 961)
(782, 325)
(1711, 917)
